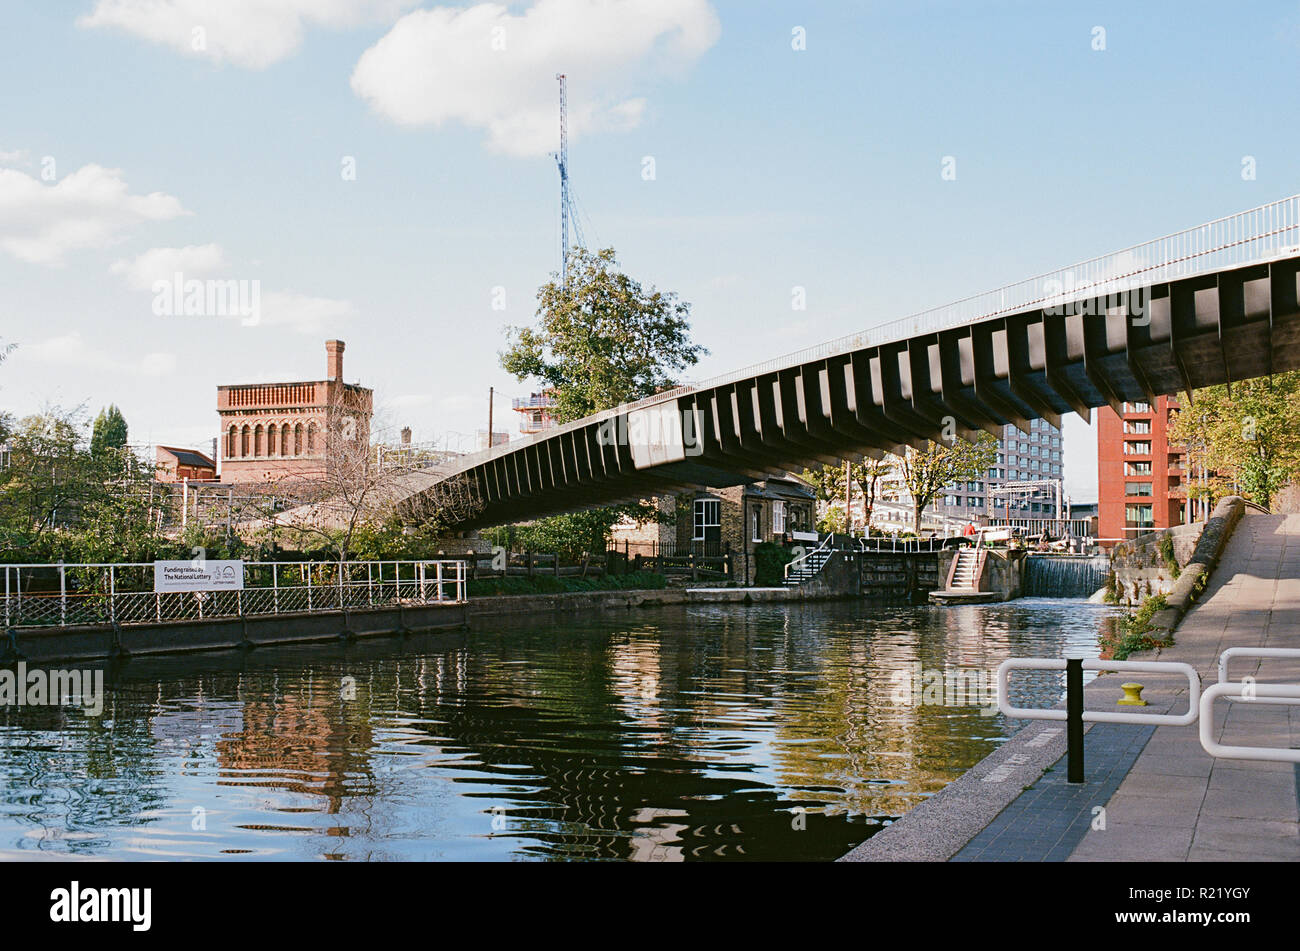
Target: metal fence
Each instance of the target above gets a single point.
(43, 595)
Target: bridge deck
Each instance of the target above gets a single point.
(1210, 305)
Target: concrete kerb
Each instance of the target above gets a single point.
(1195, 575)
(938, 828)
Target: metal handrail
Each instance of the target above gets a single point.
(1276, 694)
(1289, 653)
(1260, 234)
(804, 557)
(352, 584)
(1101, 716)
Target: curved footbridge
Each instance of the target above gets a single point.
(1214, 304)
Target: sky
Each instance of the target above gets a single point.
(380, 172)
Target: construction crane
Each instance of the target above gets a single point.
(568, 212)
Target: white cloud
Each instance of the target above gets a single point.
(448, 64)
(16, 157)
(91, 208)
(163, 264)
(303, 313)
(411, 400)
(70, 351)
(249, 33)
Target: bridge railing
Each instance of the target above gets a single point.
(1258, 234)
(43, 595)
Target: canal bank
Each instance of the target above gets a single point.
(690, 732)
(1151, 793)
(256, 619)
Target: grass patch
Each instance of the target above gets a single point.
(549, 584)
(1132, 633)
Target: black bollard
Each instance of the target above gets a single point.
(1074, 718)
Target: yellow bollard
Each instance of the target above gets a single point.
(1132, 696)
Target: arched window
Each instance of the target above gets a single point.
(259, 440)
(273, 440)
(297, 439)
(311, 437)
(231, 443)
(243, 441)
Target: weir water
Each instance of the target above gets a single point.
(1064, 576)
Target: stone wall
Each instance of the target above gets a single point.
(1140, 570)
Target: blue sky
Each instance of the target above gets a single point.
(774, 168)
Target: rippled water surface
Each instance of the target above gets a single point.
(669, 734)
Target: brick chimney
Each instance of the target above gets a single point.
(334, 359)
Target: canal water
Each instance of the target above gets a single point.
(669, 734)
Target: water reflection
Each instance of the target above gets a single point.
(668, 735)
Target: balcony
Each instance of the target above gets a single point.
(536, 401)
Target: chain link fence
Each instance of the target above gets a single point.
(64, 594)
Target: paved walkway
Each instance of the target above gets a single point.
(1178, 803)
(1151, 793)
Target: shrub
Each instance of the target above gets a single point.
(770, 560)
(1132, 632)
(549, 584)
(1167, 553)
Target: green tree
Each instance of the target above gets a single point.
(602, 340)
(58, 499)
(110, 431)
(867, 477)
(1247, 434)
(927, 472)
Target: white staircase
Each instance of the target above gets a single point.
(807, 567)
(964, 577)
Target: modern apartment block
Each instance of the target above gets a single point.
(1022, 457)
(1139, 474)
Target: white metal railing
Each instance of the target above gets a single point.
(803, 558)
(122, 593)
(1257, 235)
(1288, 653)
(1253, 693)
(1101, 716)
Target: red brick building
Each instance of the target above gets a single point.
(1139, 475)
(276, 431)
(174, 464)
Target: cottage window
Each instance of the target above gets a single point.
(708, 514)
(778, 518)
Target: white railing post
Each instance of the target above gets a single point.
(275, 587)
(112, 593)
(63, 594)
(307, 571)
(423, 597)
(438, 577)
(370, 583)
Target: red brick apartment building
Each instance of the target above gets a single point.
(274, 431)
(1139, 475)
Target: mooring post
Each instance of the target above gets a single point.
(1074, 718)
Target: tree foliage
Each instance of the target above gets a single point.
(59, 499)
(602, 340)
(867, 478)
(927, 472)
(1247, 435)
(110, 431)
